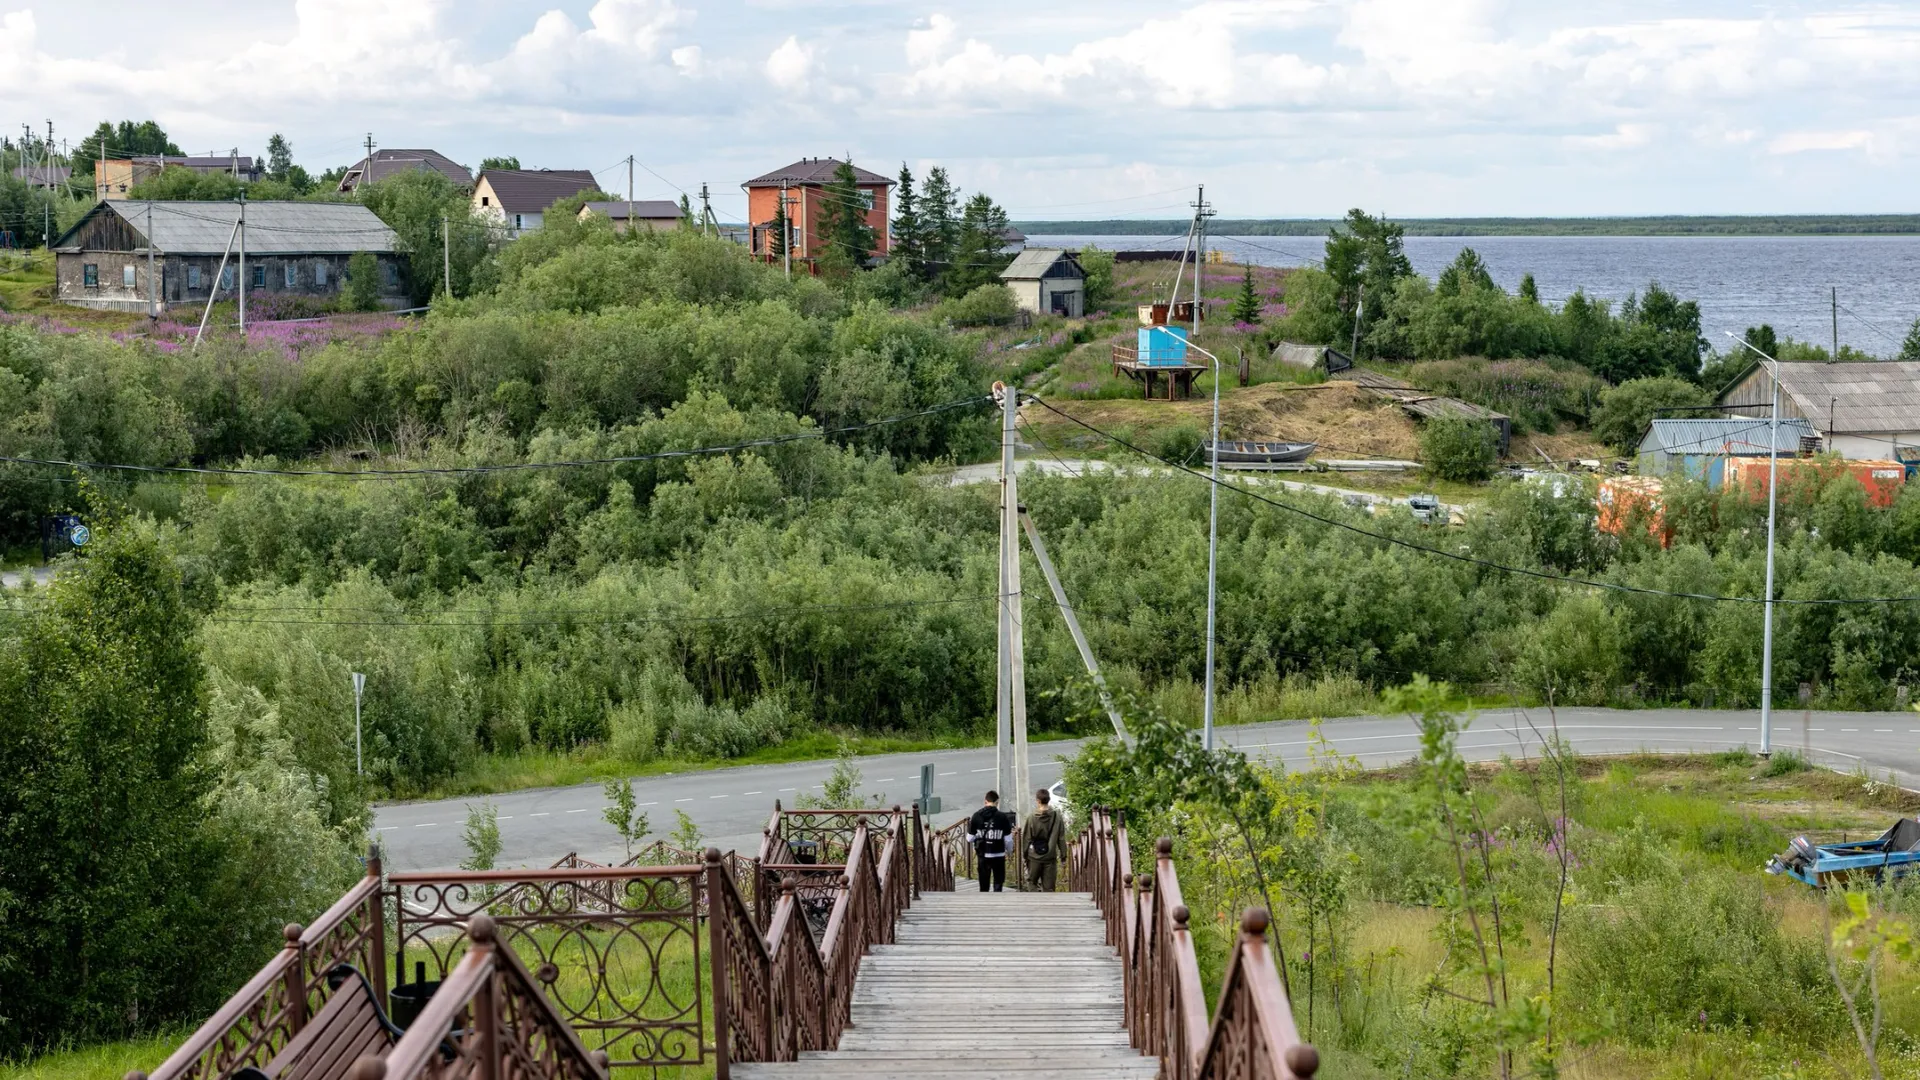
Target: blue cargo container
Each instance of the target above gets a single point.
(1163, 345)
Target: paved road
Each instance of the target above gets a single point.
(13, 579)
(730, 805)
(989, 472)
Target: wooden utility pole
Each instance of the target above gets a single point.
(446, 253)
(706, 209)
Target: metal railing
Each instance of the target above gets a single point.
(1252, 1034)
(265, 1014)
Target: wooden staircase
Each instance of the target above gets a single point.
(983, 985)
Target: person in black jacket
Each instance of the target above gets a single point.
(988, 830)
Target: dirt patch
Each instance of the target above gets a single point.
(1564, 446)
(1345, 420)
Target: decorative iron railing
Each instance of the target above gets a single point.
(1252, 1034)
(489, 1020)
(265, 1014)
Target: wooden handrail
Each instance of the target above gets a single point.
(1252, 1035)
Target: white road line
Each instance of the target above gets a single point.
(1844, 728)
(889, 779)
(386, 828)
(789, 789)
(745, 793)
(506, 817)
(683, 800)
(646, 804)
(582, 810)
(542, 813)
(1878, 730)
(983, 770)
(949, 774)
(710, 797)
(426, 825)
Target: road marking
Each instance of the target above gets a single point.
(710, 797)
(753, 793)
(949, 774)
(1883, 731)
(386, 828)
(884, 780)
(1849, 729)
(646, 804)
(426, 825)
(505, 817)
(683, 800)
(542, 813)
(582, 810)
(983, 770)
(789, 789)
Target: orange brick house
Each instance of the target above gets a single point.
(805, 183)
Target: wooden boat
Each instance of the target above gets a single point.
(1895, 853)
(1259, 453)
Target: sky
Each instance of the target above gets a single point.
(1061, 109)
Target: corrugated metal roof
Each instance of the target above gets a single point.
(815, 171)
(1738, 436)
(393, 162)
(273, 228)
(642, 208)
(1034, 263)
(1858, 398)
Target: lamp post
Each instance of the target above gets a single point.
(1773, 484)
(1213, 530)
(359, 684)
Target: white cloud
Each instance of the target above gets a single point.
(1802, 142)
(790, 65)
(931, 44)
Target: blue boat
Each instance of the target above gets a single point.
(1894, 854)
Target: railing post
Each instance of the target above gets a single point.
(717, 950)
(486, 1000)
(296, 978)
(377, 925)
(919, 853)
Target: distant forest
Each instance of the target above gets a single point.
(1673, 225)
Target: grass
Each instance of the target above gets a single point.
(102, 1061)
(27, 288)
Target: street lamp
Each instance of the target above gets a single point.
(1213, 534)
(359, 685)
(1773, 484)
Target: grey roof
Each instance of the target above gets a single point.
(273, 228)
(531, 191)
(390, 162)
(1035, 262)
(1733, 436)
(42, 175)
(815, 171)
(206, 162)
(1869, 397)
(642, 208)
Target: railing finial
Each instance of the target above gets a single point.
(1303, 1060)
(713, 856)
(1180, 916)
(1255, 922)
(480, 930)
(292, 933)
(1164, 846)
(368, 1068)
(789, 883)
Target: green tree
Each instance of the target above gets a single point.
(1246, 306)
(778, 232)
(362, 292)
(1467, 271)
(1910, 348)
(481, 835)
(940, 211)
(414, 203)
(909, 248)
(846, 240)
(621, 812)
(104, 859)
(1456, 448)
(499, 163)
(1365, 259)
(976, 258)
(1098, 266)
(279, 156)
(178, 182)
(109, 142)
(1529, 291)
(1626, 409)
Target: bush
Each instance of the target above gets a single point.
(1181, 443)
(1098, 265)
(363, 283)
(1536, 394)
(992, 304)
(1573, 656)
(1626, 409)
(1455, 448)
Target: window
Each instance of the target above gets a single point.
(226, 277)
(126, 277)
(90, 275)
(259, 277)
(485, 201)
(293, 275)
(392, 274)
(866, 198)
(319, 275)
(193, 277)
(518, 222)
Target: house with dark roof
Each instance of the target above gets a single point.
(647, 215)
(1047, 281)
(1867, 411)
(385, 163)
(518, 198)
(1701, 448)
(134, 255)
(803, 185)
(114, 177)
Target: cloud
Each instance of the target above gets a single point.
(790, 65)
(1802, 142)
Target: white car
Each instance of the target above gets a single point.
(1057, 791)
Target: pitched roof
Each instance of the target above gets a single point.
(390, 162)
(642, 208)
(221, 162)
(815, 171)
(1035, 262)
(42, 175)
(1739, 436)
(273, 228)
(530, 191)
(1863, 397)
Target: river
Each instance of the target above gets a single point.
(1739, 281)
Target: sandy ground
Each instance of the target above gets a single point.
(1345, 420)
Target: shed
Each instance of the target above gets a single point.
(297, 247)
(1867, 411)
(1048, 281)
(1700, 448)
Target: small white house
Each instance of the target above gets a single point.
(1048, 281)
(518, 198)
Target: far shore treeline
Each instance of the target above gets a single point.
(1658, 225)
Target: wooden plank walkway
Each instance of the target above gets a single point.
(984, 985)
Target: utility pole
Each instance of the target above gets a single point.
(366, 174)
(1012, 720)
(153, 296)
(1200, 216)
(446, 253)
(1835, 295)
(630, 221)
(241, 281)
(1359, 312)
(706, 209)
(1773, 488)
(786, 229)
(359, 761)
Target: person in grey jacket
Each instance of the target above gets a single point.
(1044, 840)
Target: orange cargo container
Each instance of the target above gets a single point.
(1882, 479)
(1625, 498)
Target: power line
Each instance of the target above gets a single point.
(518, 466)
(1456, 557)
